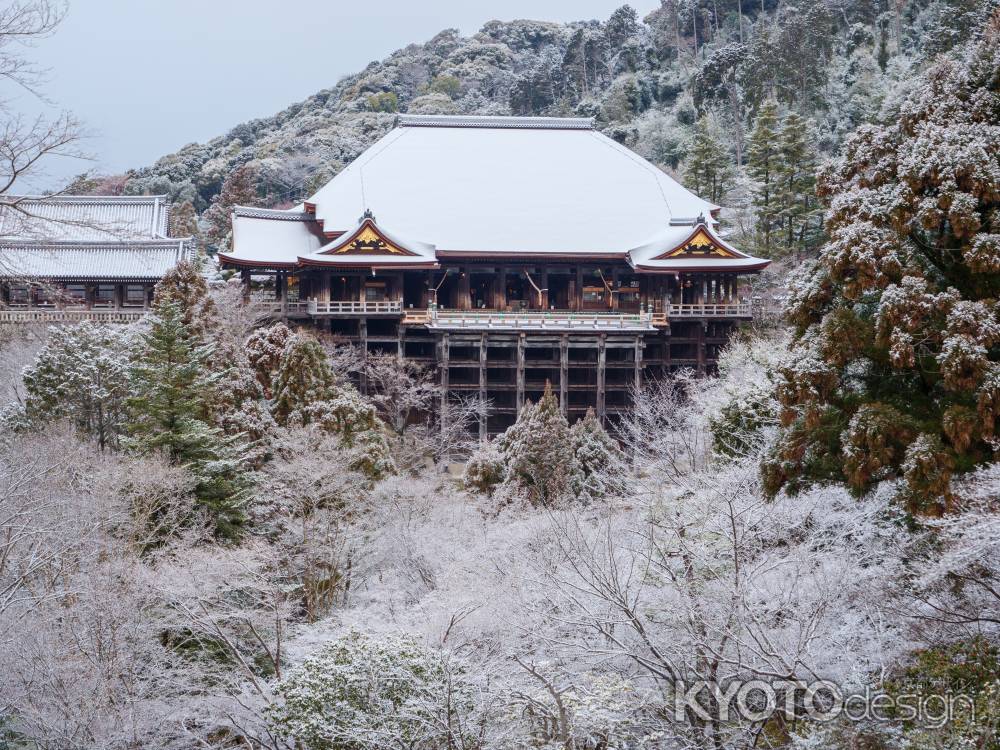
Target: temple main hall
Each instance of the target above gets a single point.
(504, 253)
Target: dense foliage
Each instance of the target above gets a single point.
(897, 368)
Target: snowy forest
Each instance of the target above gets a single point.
(210, 538)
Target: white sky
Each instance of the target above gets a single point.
(148, 76)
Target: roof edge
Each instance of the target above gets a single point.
(499, 122)
(280, 214)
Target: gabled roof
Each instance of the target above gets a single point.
(139, 260)
(86, 218)
(370, 245)
(692, 245)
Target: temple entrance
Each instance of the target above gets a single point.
(481, 290)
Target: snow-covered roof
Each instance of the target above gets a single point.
(691, 245)
(369, 245)
(138, 260)
(83, 217)
(481, 187)
(270, 237)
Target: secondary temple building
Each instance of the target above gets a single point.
(67, 258)
(506, 252)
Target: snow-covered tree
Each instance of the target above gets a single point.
(264, 349)
(359, 691)
(599, 468)
(896, 370)
(185, 286)
(82, 373)
(795, 184)
(169, 414)
(762, 167)
(707, 169)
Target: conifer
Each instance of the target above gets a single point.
(795, 184)
(184, 286)
(169, 414)
(707, 170)
(762, 166)
(598, 463)
(912, 271)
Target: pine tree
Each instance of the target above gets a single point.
(896, 371)
(82, 373)
(538, 451)
(763, 166)
(795, 184)
(707, 170)
(184, 286)
(169, 414)
(598, 463)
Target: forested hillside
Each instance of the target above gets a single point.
(685, 87)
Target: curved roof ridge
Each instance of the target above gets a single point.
(495, 121)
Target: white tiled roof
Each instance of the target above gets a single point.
(267, 236)
(136, 260)
(83, 217)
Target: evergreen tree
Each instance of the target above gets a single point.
(169, 414)
(184, 286)
(303, 378)
(238, 189)
(598, 463)
(707, 170)
(763, 166)
(538, 451)
(795, 188)
(264, 349)
(897, 366)
(82, 373)
(238, 406)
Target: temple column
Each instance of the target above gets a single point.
(564, 373)
(520, 373)
(464, 289)
(701, 349)
(611, 293)
(578, 302)
(245, 281)
(602, 362)
(638, 362)
(443, 356)
(543, 282)
(501, 300)
(482, 387)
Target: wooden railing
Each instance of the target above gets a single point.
(538, 320)
(316, 307)
(710, 310)
(55, 315)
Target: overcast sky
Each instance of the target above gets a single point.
(148, 76)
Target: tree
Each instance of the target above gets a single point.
(82, 373)
(795, 184)
(538, 451)
(169, 414)
(183, 220)
(238, 189)
(402, 388)
(185, 286)
(599, 468)
(762, 167)
(27, 143)
(303, 378)
(359, 691)
(264, 349)
(896, 370)
(707, 170)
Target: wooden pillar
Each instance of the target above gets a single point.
(442, 358)
(363, 345)
(564, 373)
(701, 349)
(614, 285)
(543, 282)
(602, 362)
(638, 362)
(520, 372)
(323, 291)
(482, 387)
(578, 303)
(245, 281)
(501, 301)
